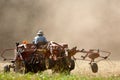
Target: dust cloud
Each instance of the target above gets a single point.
(83, 23)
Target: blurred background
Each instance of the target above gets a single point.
(86, 24)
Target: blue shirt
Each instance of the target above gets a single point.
(39, 39)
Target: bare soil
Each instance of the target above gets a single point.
(105, 68)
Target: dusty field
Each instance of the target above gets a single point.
(106, 68)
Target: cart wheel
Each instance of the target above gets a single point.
(72, 64)
(7, 68)
(94, 67)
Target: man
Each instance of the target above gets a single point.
(40, 39)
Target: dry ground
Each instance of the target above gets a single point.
(106, 68)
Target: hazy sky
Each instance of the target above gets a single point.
(83, 23)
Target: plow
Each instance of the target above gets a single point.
(56, 57)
